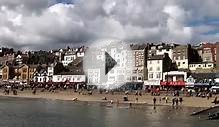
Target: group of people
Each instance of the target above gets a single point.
(175, 100)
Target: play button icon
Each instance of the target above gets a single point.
(108, 65)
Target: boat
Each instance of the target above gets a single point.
(213, 116)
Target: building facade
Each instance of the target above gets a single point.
(155, 69)
(202, 67)
(180, 56)
(5, 72)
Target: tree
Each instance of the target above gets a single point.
(59, 68)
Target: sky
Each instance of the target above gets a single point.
(47, 24)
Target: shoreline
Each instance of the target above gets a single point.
(144, 100)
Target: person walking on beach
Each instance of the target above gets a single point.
(34, 91)
(136, 99)
(173, 101)
(166, 99)
(154, 100)
(177, 101)
(180, 100)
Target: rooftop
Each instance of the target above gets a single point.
(156, 57)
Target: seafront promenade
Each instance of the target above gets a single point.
(116, 97)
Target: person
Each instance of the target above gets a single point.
(215, 100)
(208, 96)
(136, 99)
(34, 91)
(177, 101)
(154, 100)
(130, 105)
(75, 99)
(117, 102)
(180, 100)
(111, 101)
(166, 99)
(173, 101)
(104, 98)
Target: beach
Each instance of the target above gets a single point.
(145, 99)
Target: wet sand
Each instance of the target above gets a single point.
(145, 99)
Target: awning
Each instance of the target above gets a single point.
(201, 84)
(152, 82)
(173, 83)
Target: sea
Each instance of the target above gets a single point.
(21, 112)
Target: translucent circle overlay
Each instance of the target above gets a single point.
(108, 65)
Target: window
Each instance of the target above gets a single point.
(158, 61)
(178, 63)
(150, 69)
(176, 58)
(158, 68)
(4, 70)
(24, 76)
(210, 65)
(151, 75)
(158, 75)
(25, 70)
(184, 62)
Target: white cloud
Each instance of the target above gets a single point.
(46, 24)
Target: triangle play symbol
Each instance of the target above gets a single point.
(109, 63)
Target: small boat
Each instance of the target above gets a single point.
(213, 116)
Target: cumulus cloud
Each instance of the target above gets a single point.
(46, 24)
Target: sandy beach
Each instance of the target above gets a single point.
(116, 97)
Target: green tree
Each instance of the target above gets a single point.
(59, 68)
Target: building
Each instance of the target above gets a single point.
(174, 78)
(140, 59)
(7, 59)
(68, 58)
(5, 72)
(202, 67)
(156, 65)
(21, 59)
(180, 56)
(41, 76)
(161, 49)
(204, 79)
(31, 71)
(93, 76)
(21, 73)
(69, 78)
(209, 53)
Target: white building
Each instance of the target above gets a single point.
(174, 78)
(93, 76)
(155, 70)
(180, 56)
(68, 78)
(162, 51)
(204, 65)
(41, 76)
(68, 58)
(80, 54)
